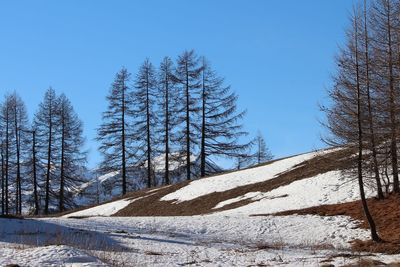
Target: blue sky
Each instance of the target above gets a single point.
(278, 55)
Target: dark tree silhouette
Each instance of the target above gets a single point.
(188, 73)
(220, 120)
(145, 120)
(114, 131)
(168, 103)
(72, 159)
(45, 123)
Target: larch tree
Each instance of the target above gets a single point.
(360, 119)
(262, 153)
(32, 170)
(188, 73)
(72, 157)
(220, 128)
(20, 125)
(349, 112)
(114, 132)
(385, 41)
(168, 106)
(2, 179)
(6, 123)
(46, 125)
(365, 80)
(145, 119)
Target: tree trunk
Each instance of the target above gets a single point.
(203, 131)
(167, 181)
(149, 180)
(18, 178)
(7, 162)
(392, 106)
(370, 116)
(49, 150)
(123, 143)
(374, 234)
(62, 178)
(2, 181)
(35, 193)
(188, 172)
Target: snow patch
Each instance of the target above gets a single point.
(236, 179)
(48, 256)
(323, 189)
(107, 209)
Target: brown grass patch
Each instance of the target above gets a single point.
(386, 214)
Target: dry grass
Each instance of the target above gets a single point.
(152, 206)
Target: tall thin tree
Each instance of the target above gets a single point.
(73, 158)
(372, 134)
(45, 123)
(145, 119)
(114, 131)
(188, 72)
(168, 104)
(371, 222)
(220, 127)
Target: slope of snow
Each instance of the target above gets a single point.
(326, 188)
(232, 180)
(48, 256)
(107, 209)
(186, 241)
(292, 230)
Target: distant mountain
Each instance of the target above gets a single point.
(104, 187)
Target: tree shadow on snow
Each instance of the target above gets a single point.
(40, 233)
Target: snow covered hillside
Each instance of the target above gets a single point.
(298, 182)
(224, 220)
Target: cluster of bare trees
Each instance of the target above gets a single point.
(365, 96)
(176, 111)
(181, 116)
(41, 161)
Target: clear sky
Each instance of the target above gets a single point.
(278, 55)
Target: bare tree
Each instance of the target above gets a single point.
(45, 123)
(7, 136)
(144, 118)
(188, 71)
(371, 222)
(73, 158)
(262, 153)
(168, 105)
(350, 110)
(114, 131)
(220, 129)
(371, 123)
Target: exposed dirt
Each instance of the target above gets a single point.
(152, 206)
(386, 214)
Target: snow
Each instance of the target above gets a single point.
(48, 256)
(107, 209)
(323, 189)
(175, 241)
(107, 176)
(225, 238)
(232, 180)
(251, 195)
